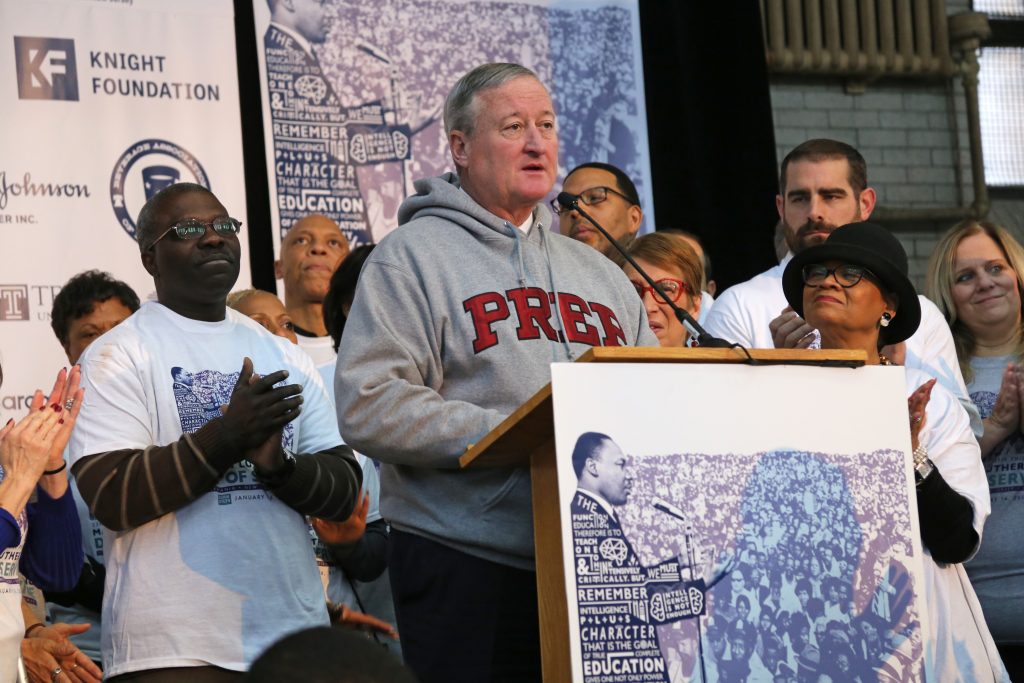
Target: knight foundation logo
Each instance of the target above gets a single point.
(46, 68)
(144, 169)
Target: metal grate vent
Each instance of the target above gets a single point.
(857, 38)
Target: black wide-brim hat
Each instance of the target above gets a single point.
(873, 247)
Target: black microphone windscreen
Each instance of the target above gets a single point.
(566, 199)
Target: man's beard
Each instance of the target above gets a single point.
(805, 236)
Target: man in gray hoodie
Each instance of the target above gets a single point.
(458, 315)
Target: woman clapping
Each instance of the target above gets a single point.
(41, 538)
(975, 278)
(854, 289)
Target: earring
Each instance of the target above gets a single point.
(886, 319)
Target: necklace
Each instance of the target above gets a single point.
(882, 360)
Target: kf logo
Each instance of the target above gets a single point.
(46, 68)
(13, 302)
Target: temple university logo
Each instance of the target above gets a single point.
(13, 302)
(144, 169)
(46, 68)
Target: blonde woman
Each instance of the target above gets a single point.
(975, 278)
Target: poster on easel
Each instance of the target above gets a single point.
(716, 534)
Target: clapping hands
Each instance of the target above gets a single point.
(1005, 419)
(35, 443)
(917, 402)
(258, 411)
(790, 331)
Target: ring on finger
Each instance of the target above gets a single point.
(69, 404)
(55, 674)
(917, 419)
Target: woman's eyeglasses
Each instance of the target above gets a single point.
(673, 289)
(846, 275)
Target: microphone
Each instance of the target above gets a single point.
(374, 52)
(673, 511)
(668, 508)
(571, 201)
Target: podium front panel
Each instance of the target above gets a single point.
(736, 523)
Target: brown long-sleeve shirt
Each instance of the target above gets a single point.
(126, 488)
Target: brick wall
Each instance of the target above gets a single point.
(913, 135)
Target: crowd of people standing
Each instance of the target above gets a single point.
(220, 470)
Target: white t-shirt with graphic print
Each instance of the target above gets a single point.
(219, 580)
(12, 623)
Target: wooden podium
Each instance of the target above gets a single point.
(527, 436)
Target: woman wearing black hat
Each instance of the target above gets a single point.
(854, 289)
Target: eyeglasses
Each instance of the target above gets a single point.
(673, 289)
(594, 195)
(847, 276)
(189, 229)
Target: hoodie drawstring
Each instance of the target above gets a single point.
(554, 291)
(519, 252)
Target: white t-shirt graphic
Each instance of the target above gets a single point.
(219, 580)
(12, 624)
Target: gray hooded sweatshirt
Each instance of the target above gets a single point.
(454, 325)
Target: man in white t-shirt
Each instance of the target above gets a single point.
(310, 253)
(823, 185)
(201, 464)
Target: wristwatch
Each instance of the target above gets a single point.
(281, 475)
(923, 465)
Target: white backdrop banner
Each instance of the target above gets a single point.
(354, 89)
(103, 103)
(721, 550)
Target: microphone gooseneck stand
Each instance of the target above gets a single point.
(572, 202)
(691, 553)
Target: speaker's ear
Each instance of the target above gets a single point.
(458, 142)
